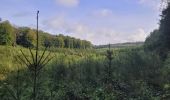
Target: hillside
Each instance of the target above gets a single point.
(36, 65)
(9, 57)
(84, 73)
(26, 37)
(121, 45)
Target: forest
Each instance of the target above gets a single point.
(26, 37)
(58, 67)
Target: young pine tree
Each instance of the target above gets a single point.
(36, 63)
(108, 66)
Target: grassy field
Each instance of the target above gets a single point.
(9, 60)
(82, 74)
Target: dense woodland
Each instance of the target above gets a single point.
(26, 37)
(129, 73)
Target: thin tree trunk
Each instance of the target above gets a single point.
(51, 94)
(36, 66)
(18, 94)
(35, 85)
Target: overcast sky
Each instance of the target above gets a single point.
(99, 21)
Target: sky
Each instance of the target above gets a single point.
(98, 21)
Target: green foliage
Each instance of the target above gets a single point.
(58, 42)
(152, 42)
(26, 37)
(159, 43)
(6, 33)
(108, 67)
(131, 73)
(164, 26)
(78, 74)
(159, 40)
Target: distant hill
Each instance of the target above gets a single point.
(121, 45)
(26, 37)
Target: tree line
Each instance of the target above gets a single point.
(26, 37)
(123, 74)
(159, 39)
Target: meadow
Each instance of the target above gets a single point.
(78, 74)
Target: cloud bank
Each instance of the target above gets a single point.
(97, 34)
(68, 3)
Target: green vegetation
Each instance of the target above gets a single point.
(6, 33)
(26, 37)
(121, 45)
(79, 73)
(159, 40)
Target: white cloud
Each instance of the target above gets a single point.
(80, 30)
(21, 14)
(57, 22)
(103, 26)
(68, 3)
(98, 35)
(103, 13)
(154, 4)
(140, 35)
